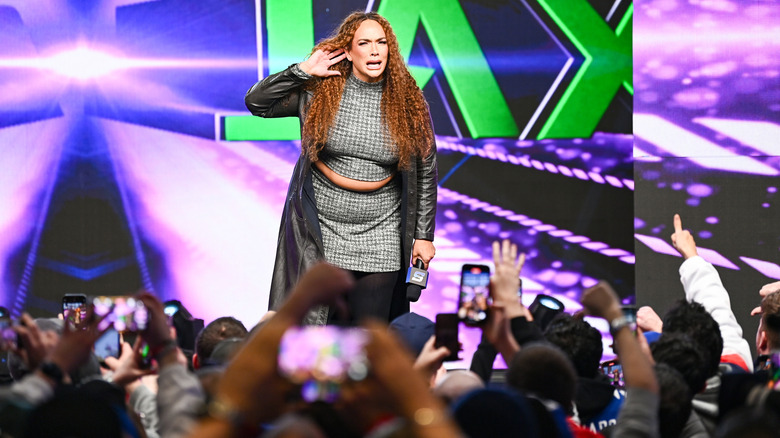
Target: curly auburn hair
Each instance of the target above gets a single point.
(404, 109)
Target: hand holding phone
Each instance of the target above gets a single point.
(108, 345)
(474, 295)
(74, 307)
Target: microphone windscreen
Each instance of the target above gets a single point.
(413, 292)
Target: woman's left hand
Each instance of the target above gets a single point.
(424, 250)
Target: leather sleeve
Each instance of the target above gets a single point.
(427, 187)
(702, 284)
(277, 95)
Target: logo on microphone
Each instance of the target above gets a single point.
(418, 276)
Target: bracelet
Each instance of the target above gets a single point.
(298, 71)
(163, 349)
(617, 324)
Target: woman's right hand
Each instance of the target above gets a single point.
(319, 63)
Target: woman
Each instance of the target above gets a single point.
(363, 193)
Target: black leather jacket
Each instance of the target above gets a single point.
(300, 240)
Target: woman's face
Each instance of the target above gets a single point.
(368, 52)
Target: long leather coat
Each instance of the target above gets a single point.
(300, 240)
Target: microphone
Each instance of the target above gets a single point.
(416, 280)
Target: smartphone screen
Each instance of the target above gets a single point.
(473, 299)
(108, 345)
(124, 313)
(320, 358)
(446, 331)
(75, 307)
(614, 371)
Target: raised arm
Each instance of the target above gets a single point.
(601, 301)
(251, 390)
(509, 324)
(180, 396)
(505, 282)
(52, 364)
(278, 94)
(639, 415)
(703, 285)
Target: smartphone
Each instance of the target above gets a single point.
(446, 334)
(320, 358)
(629, 312)
(124, 313)
(108, 345)
(8, 337)
(614, 371)
(474, 296)
(75, 305)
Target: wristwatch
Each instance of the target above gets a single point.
(52, 371)
(618, 323)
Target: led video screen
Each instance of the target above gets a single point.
(706, 129)
(130, 161)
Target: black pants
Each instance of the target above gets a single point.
(378, 295)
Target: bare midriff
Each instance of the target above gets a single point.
(349, 183)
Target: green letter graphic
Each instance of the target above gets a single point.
(608, 64)
(475, 89)
(290, 31)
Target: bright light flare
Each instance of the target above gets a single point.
(84, 64)
(81, 63)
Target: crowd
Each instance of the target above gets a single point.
(688, 373)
